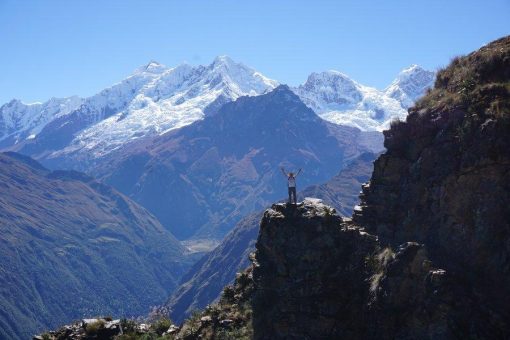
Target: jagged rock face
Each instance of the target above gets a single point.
(444, 182)
(317, 276)
(309, 274)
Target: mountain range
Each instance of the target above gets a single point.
(142, 136)
(156, 99)
(199, 147)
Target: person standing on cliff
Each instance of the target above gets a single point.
(291, 183)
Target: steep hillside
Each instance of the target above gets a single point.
(205, 280)
(201, 179)
(71, 246)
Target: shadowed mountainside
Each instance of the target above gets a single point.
(71, 246)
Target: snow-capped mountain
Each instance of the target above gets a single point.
(337, 98)
(19, 121)
(156, 99)
(410, 85)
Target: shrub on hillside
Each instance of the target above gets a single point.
(93, 328)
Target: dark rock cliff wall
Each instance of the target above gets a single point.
(445, 182)
(317, 276)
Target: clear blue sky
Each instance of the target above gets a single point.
(60, 48)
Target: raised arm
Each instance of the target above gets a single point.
(299, 171)
(283, 172)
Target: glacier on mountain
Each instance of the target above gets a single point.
(338, 99)
(156, 99)
(19, 120)
(410, 85)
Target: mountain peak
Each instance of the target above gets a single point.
(283, 94)
(227, 66)
(412, 70)
(237, 77)
(152, 67)
(331, 81)
(330, 76)
(328, 89)
(410, 84)
(223, 60)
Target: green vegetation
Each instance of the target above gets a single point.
(94, 327)
(477, 82)
(230, 318)
(128, 325)
(378, 263)
(161, 326)
(78, 274)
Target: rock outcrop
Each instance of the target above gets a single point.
(318, 276)
(310, 272)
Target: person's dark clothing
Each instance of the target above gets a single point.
(292, 195)
(291, 183)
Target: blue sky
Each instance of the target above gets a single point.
(60, 48)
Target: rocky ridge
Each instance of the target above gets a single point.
(444, 182)
(318, 276)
